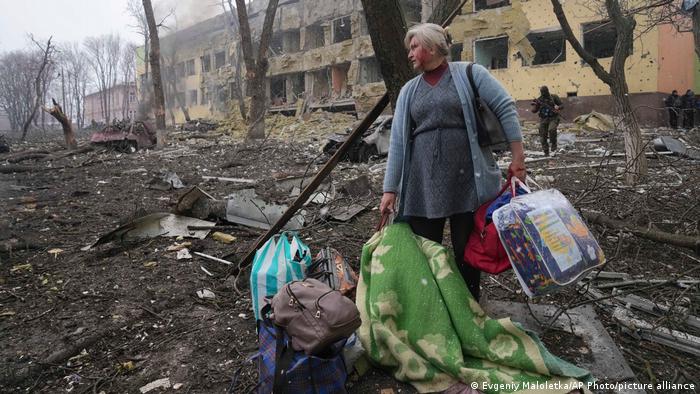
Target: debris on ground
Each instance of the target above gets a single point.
(200, 125)
(595, 121)
(125, 136)
(139, 296)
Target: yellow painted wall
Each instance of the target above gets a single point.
(674, 72)
(569, 76)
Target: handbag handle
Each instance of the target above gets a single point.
(383, 221)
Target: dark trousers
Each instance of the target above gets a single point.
(548, 133)
(461, 226)
(688, 118)
(673, 118)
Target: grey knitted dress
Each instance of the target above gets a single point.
(440, 180)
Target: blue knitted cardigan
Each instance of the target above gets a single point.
(487, 175)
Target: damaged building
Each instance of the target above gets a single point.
(321, 57)
(525, 48)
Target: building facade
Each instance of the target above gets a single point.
(321, 56)
(119, 103)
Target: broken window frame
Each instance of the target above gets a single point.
(205, 61)
(219, 59)
(490, 66)
(277, 91)
(595, 50)
(344, 22)
(189, 67)
(192, 97)
(480, 5)
(560, 58)
(370, 71)
(318, 34)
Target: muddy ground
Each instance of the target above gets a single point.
(128, 313)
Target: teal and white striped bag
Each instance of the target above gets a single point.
(279, 261)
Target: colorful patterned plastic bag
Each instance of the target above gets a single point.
(279, 261)
(547, 243)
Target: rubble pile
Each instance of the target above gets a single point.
(200, 125)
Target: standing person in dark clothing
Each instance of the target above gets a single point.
(436, 169)
(547, 106)
(673, 105)
(688, 106)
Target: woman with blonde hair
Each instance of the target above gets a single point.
(436, 168)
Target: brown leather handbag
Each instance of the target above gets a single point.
(314, 315)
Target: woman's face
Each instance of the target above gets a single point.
(419, 55)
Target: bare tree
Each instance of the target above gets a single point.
(135, 9)
(57, 112)
(154, 58)
(235, 32)
(625, 23)
(40, 82)
(104, 56)
(173, 70)
(256, 68)
(17, 75)
(128, 77)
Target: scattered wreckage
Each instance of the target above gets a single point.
(374, 142)
(125, 136)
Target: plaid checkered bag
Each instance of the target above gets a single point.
(283, 370)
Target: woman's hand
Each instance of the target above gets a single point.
(386, 206)
(517, 165)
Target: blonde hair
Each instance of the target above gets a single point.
(430, 36)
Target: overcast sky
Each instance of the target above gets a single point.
(73, 20)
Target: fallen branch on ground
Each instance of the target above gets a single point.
(654, 235)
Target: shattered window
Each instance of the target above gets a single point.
(219, 59)
(193, 97)
(276, 45)
(297, 82)
(370, 71)
(206, 63)
(278, 90)
(189, 67)
(492, 53)
(489, 4)
(411, 10)
(599, 38)
(314, 37)
(341, 29)
(550, 47)
(290, 41)
(456, 51)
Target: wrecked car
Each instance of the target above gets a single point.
(374, 142)
(125, 136)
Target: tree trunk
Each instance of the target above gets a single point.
(154, 58)
(37, 87)
(239, 81)
(387, 29)
(66, 124)
(442, 10)
(616, 81)
(256, 69)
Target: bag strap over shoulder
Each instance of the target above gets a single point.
(470, 77)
